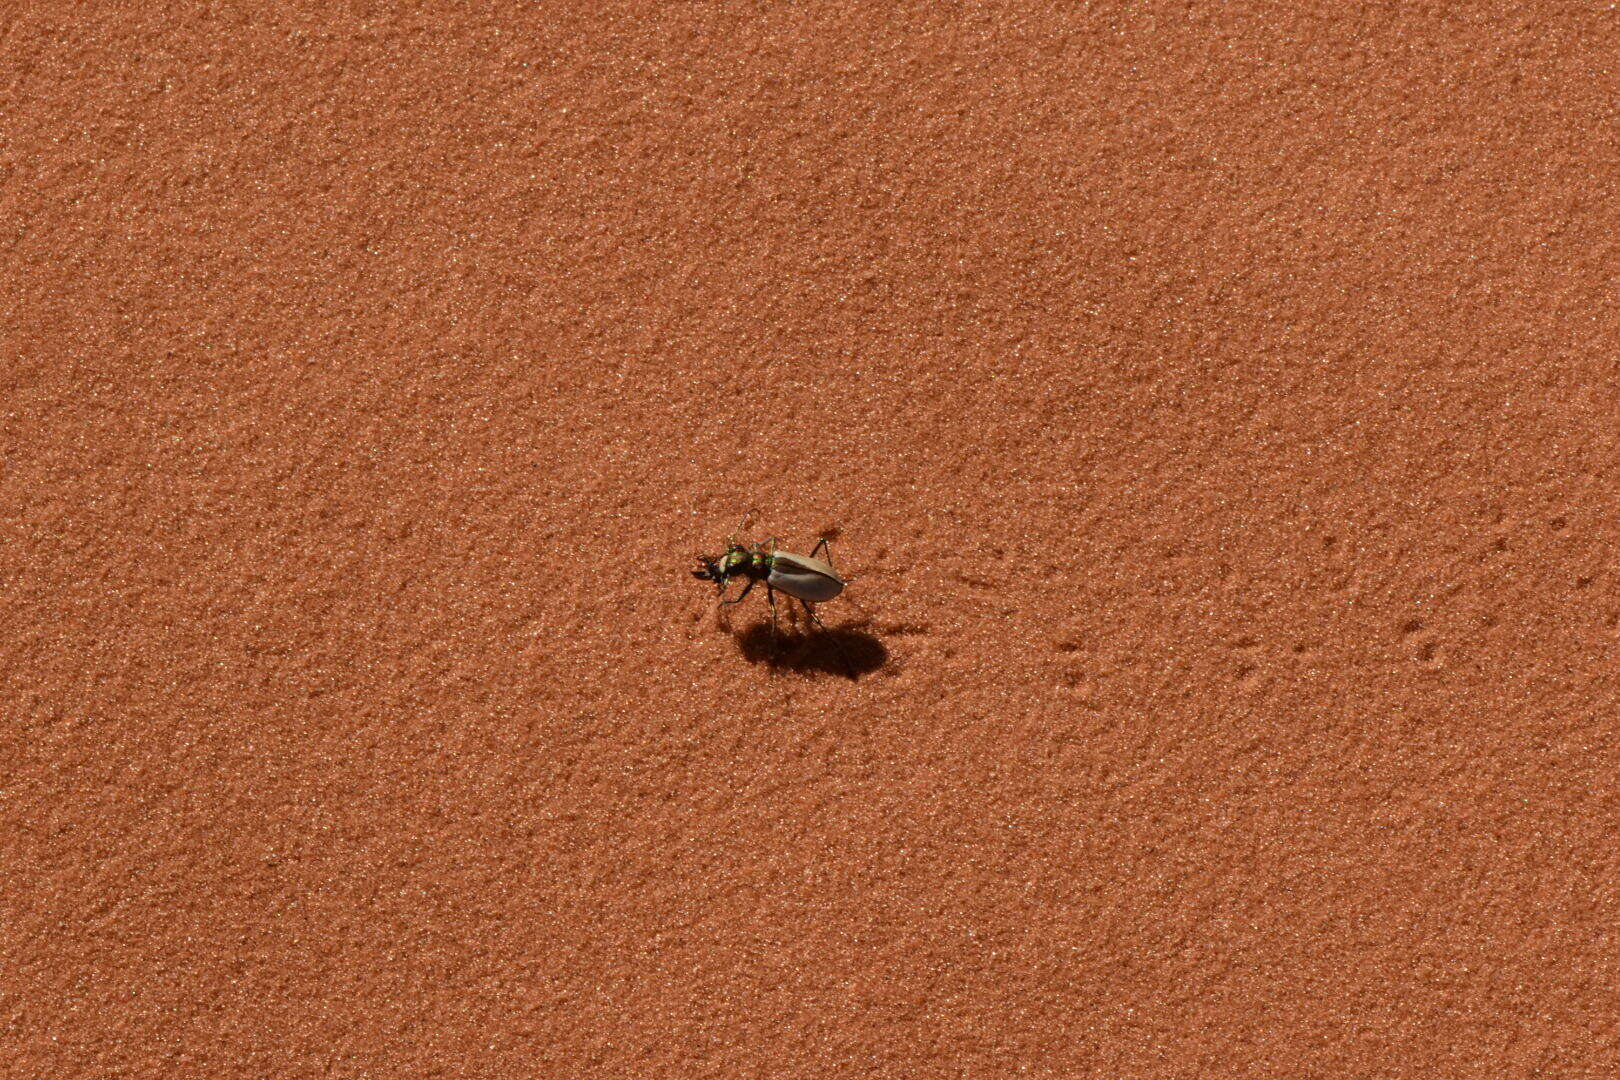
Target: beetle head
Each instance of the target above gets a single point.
(719, 569)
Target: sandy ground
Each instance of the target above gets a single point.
(1214, 408)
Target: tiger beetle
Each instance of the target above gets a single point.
(806, 578)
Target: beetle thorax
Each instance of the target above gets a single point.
(741, 562)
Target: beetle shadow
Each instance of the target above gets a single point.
(850, 653)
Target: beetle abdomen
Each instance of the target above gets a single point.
(808, 579)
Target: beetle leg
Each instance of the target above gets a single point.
(843, 654)
(810, 611)
(821, 545)
(770, 594)
(740, 595)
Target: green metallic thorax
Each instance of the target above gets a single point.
(741, 562)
